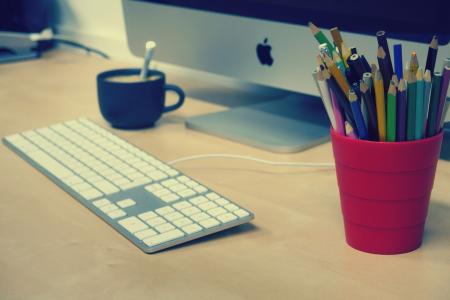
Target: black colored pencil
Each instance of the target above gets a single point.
(356, 65)
(382, 42)
(431, 57)
(383, 64)
(365, 63)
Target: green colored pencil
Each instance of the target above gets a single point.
(420, 97)
(434, 103)
(320, 37)
(411, 107)
(391, 113)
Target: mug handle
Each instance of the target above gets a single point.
(181, 96)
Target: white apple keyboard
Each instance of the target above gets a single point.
(146, 200)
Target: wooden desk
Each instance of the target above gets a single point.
(51, 247)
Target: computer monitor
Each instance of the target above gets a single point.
(268, 43)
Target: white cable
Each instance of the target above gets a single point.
(234, 156)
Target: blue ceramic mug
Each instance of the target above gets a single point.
(135, 103)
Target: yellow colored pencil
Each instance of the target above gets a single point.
(337, 74)
(381, 105)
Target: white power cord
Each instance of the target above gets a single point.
(250, 158)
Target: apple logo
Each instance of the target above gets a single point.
(263, 53)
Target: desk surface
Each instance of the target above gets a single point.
(51, 247)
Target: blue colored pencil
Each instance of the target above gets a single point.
(359, 120)
(398, 60)
(401, 111)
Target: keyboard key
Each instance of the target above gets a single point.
(126, 203)
(147, 215)
(172, 172)
(164, 227)
(191, 183)
(200, 189)
(162, 192)
(145, 234)
(187, 193)
(50, 164)
(190, 211)
(81, 186)
(90, 194)
(212, 196)
(169, 182)
(222, 201)
(157, 175)
(181, 205)
(207, 205)
(183, 178)
(198, 200)
(200, 216)
(173, 216)
(72, 180)
(178, 187)
(165, 210)
(155, 221)
(190, 229)
(225, 218)
(116, 214)
(133, 224)
(108, 208)
(231, 207)
(101, 202)
(170, 198)
(208, 223)
(182, 222)
(217, 211)
(106, 187)
(163, 237)
(153, 187)
(241, 213)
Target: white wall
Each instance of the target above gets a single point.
(98, 23)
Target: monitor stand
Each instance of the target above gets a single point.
(290, 124)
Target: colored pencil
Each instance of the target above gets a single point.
(356, 65)
(432, 54)
(401, 110)
(420, 99)
(320, 36)
(345, 54)
(349, 131)
(341, 98)
(371, 110)
(337, 74)
(413, 64)
(382, 41)
(367, 78)
(337, 114)
(427, 95)
(394, 79)
(443, 94)
(434, 103)
(353, 50)
(359, 120)
(411, 107)
(337, 38)
(365, 63)
(323, 49)
(380, 105)
(338, 61)
(325, 96)
(383, 64)
(391, 112)
(447, 104)
(398, 60)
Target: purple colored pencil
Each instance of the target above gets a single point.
(401, 111)
(443, 95)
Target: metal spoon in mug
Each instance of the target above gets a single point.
(149, 50)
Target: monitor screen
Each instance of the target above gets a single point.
(401, 19)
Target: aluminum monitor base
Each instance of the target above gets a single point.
(288, 125)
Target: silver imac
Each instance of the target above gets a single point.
(267, 43)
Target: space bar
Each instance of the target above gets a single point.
(50, 164)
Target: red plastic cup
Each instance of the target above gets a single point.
(385, 189)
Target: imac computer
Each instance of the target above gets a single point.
(268, 43)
